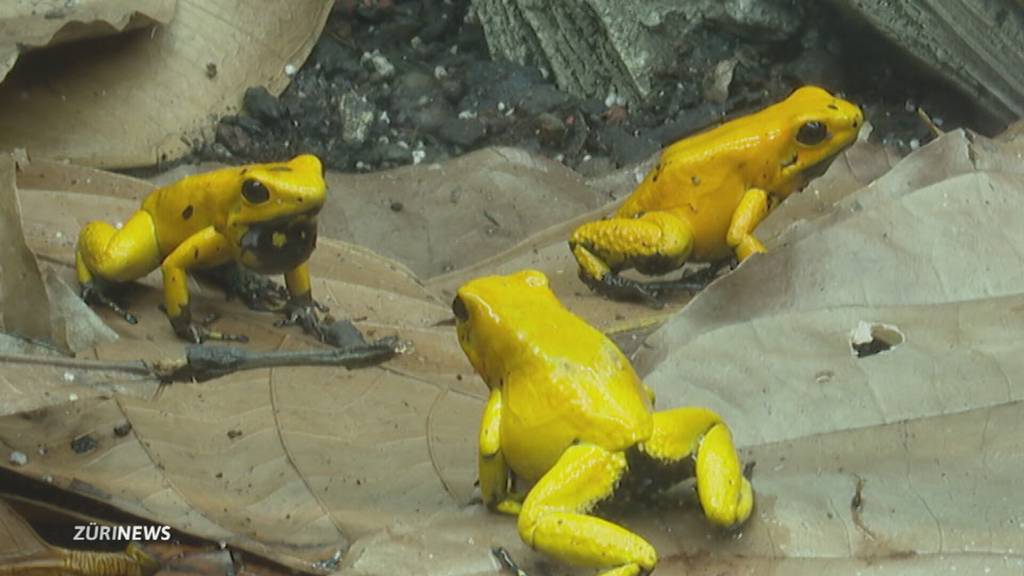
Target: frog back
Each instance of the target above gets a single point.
(187, 206)
(702, 180)
(585, 391)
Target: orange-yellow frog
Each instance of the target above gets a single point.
(708, 192)
(567, 411)
(262, 216)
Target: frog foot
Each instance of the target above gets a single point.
(199, 332)
(305, 312)
(258, 292)
(651, 293)
(618, 287)
(689, 282)
(92, 294)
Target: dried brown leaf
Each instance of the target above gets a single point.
(29, 25)
(137, 99)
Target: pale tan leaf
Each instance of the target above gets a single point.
(25, 24)
(24, 307)
(137, 99)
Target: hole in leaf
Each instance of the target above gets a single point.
(868, 338)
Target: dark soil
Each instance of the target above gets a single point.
(394, 83)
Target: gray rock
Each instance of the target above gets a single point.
(550, 130)
(978, 45)
(357, 116)
(420, 96)
(464, 132)
(615, 46)
(261, 104)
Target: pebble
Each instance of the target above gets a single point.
(464, 132)
(261, 104)
(383, 69)
(550, 130)
(357, 115)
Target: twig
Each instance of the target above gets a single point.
(507, 562)
(202, 362)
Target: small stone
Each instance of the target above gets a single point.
(550, 130)
(261, 104)
(83, 444)
(544, 98)
(233, 138)
(18, 458)
(382, 68)
(122, 429)
(397, 206)
(592, 167)
(395, 154)
(464, 132)
(357, 116)
(717, 82)
(453, 90)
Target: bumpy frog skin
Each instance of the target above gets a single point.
(708, 192)
(568, 413)
(262, 216)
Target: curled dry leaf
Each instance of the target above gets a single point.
(137, 99)
(30, 25)
(24, 307)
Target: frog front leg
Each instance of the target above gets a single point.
(301, 309)
(654, 243)
(751, 210)
(696, 439)
(555, 517)
(493, 471)
(204, 249)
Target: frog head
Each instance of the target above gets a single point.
(811, 127)
(273, 222)
(498, 317)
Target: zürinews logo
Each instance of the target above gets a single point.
(93, 532)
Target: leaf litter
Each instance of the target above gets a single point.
(893, 463)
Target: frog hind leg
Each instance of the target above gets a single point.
(554, 517)
(105, 254)
(654, 243)
(694, 441)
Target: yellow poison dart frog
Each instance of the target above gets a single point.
(262, 216)
(708, 192)
(568, 413)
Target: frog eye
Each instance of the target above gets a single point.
(812, 133)
(255, 192)
(459, 309)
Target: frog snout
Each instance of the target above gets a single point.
(858, 117)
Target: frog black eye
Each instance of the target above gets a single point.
(812, 133)
(459, 309)
(255, 192)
